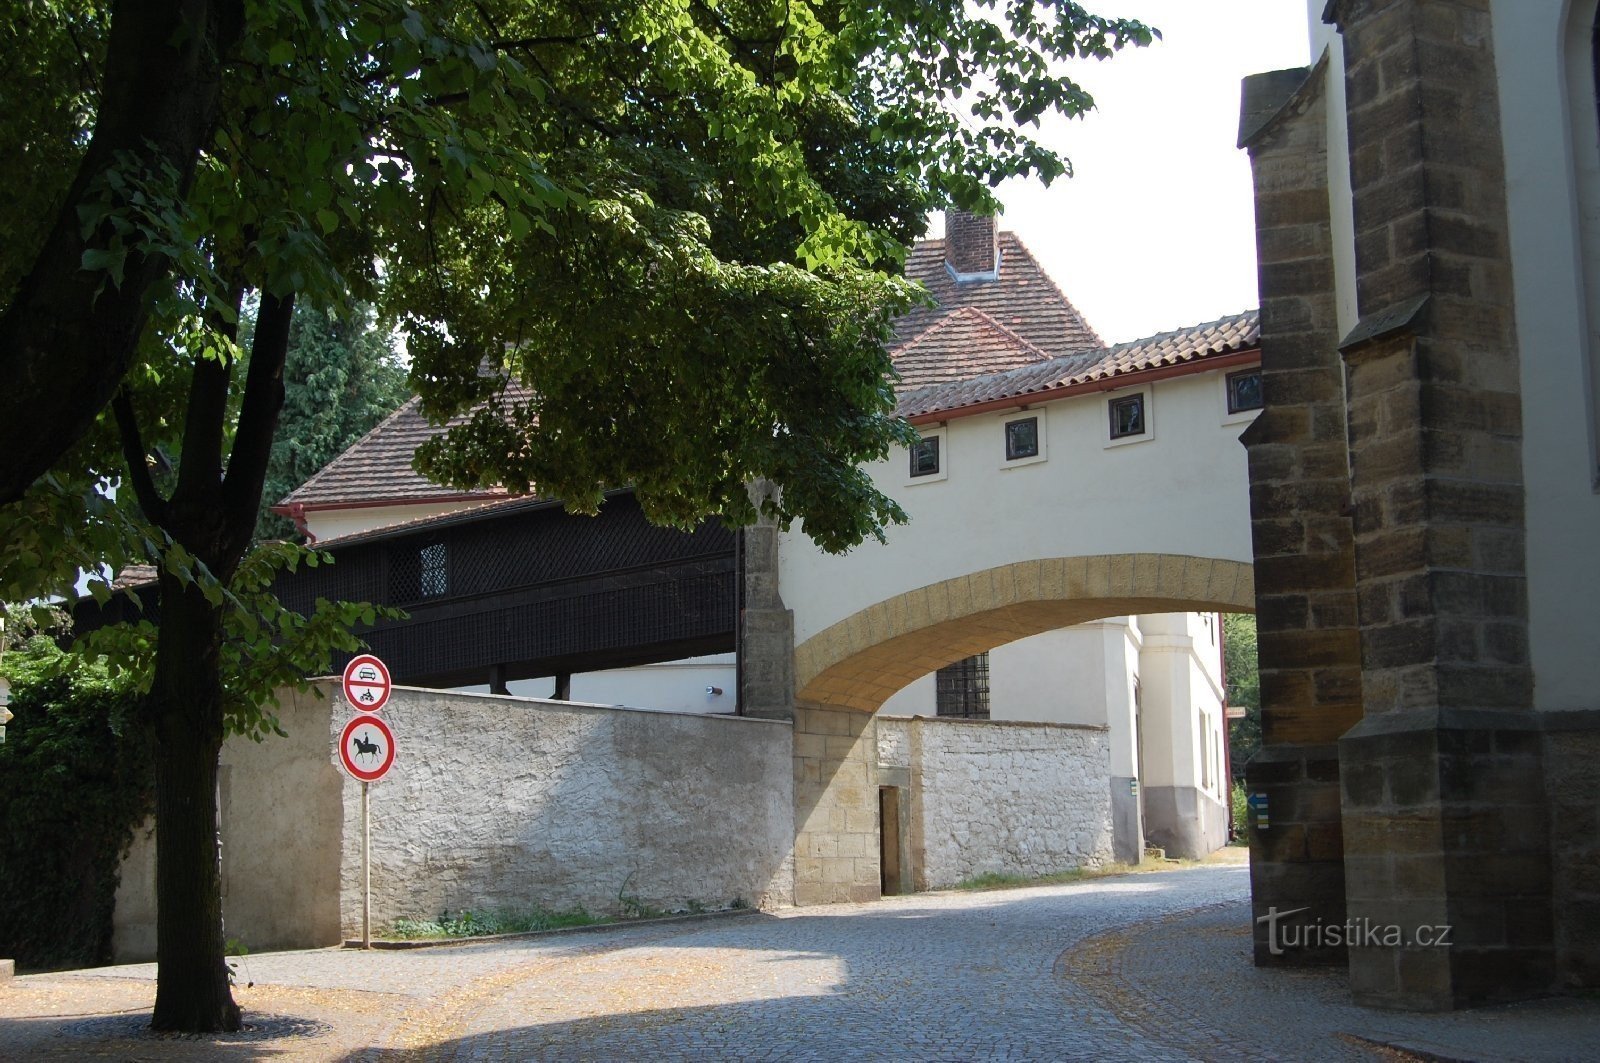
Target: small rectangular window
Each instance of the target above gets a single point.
(1022, 438)
(1244, 391)
(435, 570)
(962, 689)
(925, 457)
(1127, 416)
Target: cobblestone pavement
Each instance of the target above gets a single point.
(1147, 967)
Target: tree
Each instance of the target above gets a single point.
(675, 223)
(341, 378)
(1244, 688)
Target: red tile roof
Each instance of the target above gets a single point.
(976, 327)
(1024, 302)
(959, 346)
(377, 468)
(1229, 335)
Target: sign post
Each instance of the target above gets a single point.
(366, 869)
(366, 752)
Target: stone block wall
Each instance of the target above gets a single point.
(1443, 803)
(1310, 653)
(1572, 790)
(836, 854)
(991, 796)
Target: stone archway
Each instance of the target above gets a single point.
(845, 672)
(860, 661)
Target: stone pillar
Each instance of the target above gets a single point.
(835, 806)
(766, 627)
(1443, 807)
(1303, 542)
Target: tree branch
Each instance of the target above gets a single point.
(69, 333)
(200, 461)
(258, 417)
(138, 460)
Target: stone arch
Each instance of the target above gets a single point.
(863, 659)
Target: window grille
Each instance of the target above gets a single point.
(962, 689)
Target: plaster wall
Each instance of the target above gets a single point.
(987, 796)
(1182, 491)
(674, 686)
(1056, 677)
(499, 802)
(279, 802)
(1183, 783)
(337, 523)
(1552, 159)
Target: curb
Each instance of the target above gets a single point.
(401, 945)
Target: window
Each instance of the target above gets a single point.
(435, 570)
(962, 689)
(925, 456)
(1244, 390)
(1022, 438)
(1127, 416)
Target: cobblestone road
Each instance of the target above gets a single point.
(1148, 967)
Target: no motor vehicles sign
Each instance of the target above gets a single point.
(366, 683)
(366, 748)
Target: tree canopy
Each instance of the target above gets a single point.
(651, 243)
(341, 377)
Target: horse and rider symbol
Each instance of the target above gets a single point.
(364, 746)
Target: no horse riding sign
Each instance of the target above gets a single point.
(366, 749)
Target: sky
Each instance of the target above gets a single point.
(1156, 229)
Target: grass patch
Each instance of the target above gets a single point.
(470, 924)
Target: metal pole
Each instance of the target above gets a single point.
(366, 870)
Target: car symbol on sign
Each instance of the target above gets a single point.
(367, 673)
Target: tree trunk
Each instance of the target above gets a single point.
(68, 336)
(192, 984)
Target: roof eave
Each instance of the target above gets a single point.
(288, 509)
(1193, 366)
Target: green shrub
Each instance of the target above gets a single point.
(76, 780)
(469, 924)
(1241, 813)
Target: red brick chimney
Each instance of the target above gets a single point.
(971, 245)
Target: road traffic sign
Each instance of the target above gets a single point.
(366, 748)
(366, 683)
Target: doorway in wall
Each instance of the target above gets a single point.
(889, 839)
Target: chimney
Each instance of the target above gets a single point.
(971, 246)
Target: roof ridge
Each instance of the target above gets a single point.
(1011, 334)
(1072, 307)
(983, 318)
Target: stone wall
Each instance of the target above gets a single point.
(493, 802)
(835, 806)
(1306, 617)
(509, 803)
(992, 796)
(1572, 789)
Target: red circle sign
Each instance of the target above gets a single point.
(366, 748)
(366, 683)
